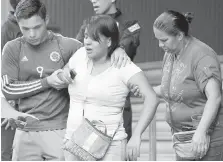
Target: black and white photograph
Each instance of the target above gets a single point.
(111, 80)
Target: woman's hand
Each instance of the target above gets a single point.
(133, 148)
(200, 143)
(119, 58)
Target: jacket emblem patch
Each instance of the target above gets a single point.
(134, 27)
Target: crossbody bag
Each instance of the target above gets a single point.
(90, 140)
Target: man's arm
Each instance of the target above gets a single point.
(130, 38)
(12, 88)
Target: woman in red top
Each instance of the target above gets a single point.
(191, 85)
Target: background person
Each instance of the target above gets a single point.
(10, 29)
(191, 84)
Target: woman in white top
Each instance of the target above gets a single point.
(100, 89)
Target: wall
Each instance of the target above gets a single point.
(5, 8)
(207, 25)
(68, 15)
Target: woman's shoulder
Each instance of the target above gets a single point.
(128, 67)
(78, 57)
(126, 72)
(200, 50)
(80, 53)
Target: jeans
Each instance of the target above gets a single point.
(38, 146)
(127, 117)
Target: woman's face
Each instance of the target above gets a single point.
(169, 43)
(96, 50)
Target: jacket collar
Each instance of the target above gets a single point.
(11, 17)
(116, 14)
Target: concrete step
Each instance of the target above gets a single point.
(160, 116)
(137, 105)
(162, 147)
(139, 100)
(160, 113)
(159, 157)
(162, 131)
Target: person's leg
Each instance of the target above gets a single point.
(116, 151)
(25, 148)
(127, 117)
(52, 143)
(7, 137)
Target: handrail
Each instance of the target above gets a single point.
(152, 140)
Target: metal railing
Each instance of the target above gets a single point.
(152, 140)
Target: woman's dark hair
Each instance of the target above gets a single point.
(28, 8)
(173, 22)
(103, 25)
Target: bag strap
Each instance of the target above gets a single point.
(118, 122)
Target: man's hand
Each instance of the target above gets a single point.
(18, 119)
(119, 58)
(65, 76)
(55, 82)
(6, 124)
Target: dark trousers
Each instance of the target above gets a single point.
(127, 116)
(7, 137)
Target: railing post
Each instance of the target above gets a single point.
(152, 140)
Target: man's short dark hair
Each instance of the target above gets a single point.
(103, 25)
(28, 8)
(14, 3)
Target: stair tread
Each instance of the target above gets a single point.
(159, 157)
(162, 147)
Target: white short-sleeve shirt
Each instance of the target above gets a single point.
(102, 96)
